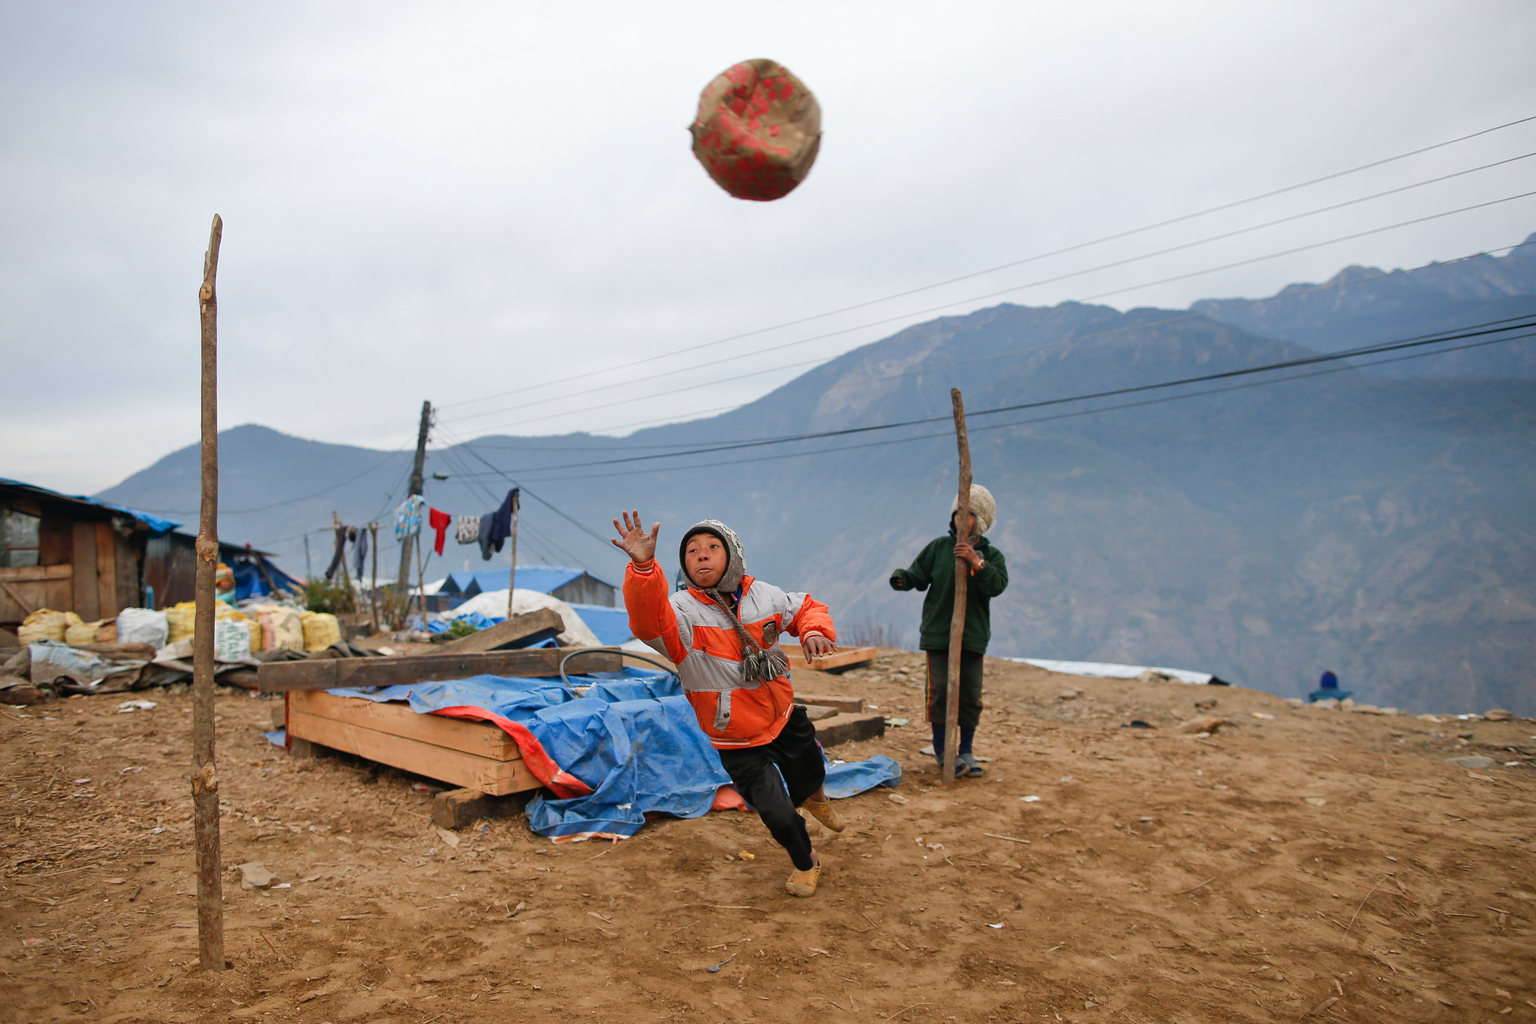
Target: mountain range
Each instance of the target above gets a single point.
(1370, 519)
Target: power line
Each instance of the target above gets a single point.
(949, 435)
(695, 367)
(1011, 264)
(285, 501)
(1100, 295)
(1017, 312)
(1475, 330)
(559, 512)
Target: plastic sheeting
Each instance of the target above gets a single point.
(493, 604)
(628, 747)
(1104, 670)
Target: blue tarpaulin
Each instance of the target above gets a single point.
(628, 747)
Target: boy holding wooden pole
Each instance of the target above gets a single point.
(934, 571)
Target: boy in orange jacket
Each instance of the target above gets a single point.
(722, 633)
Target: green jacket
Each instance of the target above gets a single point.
(934, 571)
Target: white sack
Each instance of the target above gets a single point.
(493, 605)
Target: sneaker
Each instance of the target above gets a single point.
(823, 812)
(968, 768)
(803, 883)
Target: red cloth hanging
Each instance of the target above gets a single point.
(757, 131)
(439, 522)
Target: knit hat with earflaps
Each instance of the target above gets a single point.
(758, 664)
(735, 565)
(983, 507)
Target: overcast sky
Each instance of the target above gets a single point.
(452, 201)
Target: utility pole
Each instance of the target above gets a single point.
(205, 775)
(373, 594)
(421, 460)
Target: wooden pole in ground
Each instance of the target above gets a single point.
(373, 593)
(512, 576)
(962, 577)
(205, 777)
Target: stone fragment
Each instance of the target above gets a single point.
(254, 875)
(1201, 723)
(1498, 715)
(1471, 761)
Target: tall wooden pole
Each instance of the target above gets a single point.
(512, 576)
(373, 593)
(205, 777)
(416, 485)
(962, 577)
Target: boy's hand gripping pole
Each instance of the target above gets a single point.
(962, 575)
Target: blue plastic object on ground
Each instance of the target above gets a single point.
(632, 739)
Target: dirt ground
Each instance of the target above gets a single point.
(1315, 862)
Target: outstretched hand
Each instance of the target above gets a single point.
(633, 540)
(817, 646)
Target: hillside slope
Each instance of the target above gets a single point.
(1378, 527)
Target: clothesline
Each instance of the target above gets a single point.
(490, 531)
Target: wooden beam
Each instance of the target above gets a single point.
(846, 728)
(488, 775)
(461, 808)
(106, 572)
(327, 674)
(83, 600)
(519, 631)
(483, 739)
(842, 658)
(841, 702)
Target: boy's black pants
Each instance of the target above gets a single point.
(777, 777)
(970, 687)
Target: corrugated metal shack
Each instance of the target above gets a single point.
(70, 553)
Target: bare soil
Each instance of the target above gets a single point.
(1319, 863)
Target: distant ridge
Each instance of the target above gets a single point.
(1376, 526)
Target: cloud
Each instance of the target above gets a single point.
(460, 200)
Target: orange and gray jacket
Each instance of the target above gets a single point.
(695, 633)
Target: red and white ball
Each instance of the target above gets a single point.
(757, 130)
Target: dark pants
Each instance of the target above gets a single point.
(970, 687)
(777, 777)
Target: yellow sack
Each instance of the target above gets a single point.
(45, 624)
(84, 633)
(320, 630)
(180, 619)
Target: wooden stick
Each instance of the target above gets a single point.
(962, 576)
(1192, 888)
(1011, 839)
(205, 777)
(373, 594)
(512, 576)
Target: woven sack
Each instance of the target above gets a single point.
(320, 630)
(757, 131)
(142, 626)
(83, 633)
(45, 624)
(281, 628)
(231, 639)
(180, 619)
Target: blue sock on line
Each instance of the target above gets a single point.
(938, 740)
(966, 737)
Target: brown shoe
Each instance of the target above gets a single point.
(803, 883)
(823, 812)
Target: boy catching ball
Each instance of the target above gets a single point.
(722, 633)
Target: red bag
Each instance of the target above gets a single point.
(757, 131)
